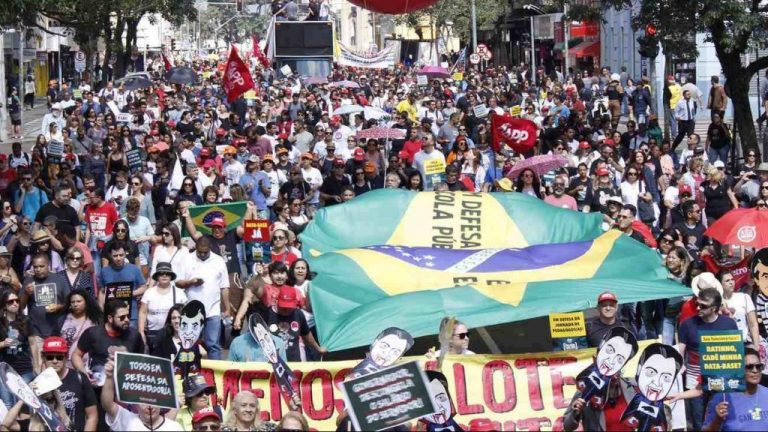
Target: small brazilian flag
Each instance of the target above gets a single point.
(232, 213)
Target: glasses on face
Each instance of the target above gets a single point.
(54, 357)
(668, 240)
(74, 258)
(187, 184)
(703, 306)
(214, 427)
(120, 230)
(462, 336)
(136, 183)
(279, 237)
(751, 155)
(754, 367)
(12, 301)
(166, 233)
(632, 173)
(761, 204)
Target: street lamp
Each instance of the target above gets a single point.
(539, 11)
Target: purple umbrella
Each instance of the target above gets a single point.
(345, 83)
(381, 133)
(433, 72)
(540, 164)
(315, 80)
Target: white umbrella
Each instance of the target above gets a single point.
(375, 113)
(348, 109)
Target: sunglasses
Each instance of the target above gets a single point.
(54, 357)
(187, 184)
(122, 317)
(136, 183)
(631, 173)
(754, 367)
(668, 240)
(121, 230)
(279, 237)
(74, 258)
(703, 306)
(166, 233)
(12, 301)
(462, 336)
(213, 427)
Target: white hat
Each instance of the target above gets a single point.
(56, 106)
(615, 77)
(719, 164)
(705, 280)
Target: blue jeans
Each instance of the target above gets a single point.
(212, 337)
(721, 153)
(696, 408)
(668, 330)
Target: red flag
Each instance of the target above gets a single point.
(518, 134)
(258, 53)
(166, 62)
(237, 78)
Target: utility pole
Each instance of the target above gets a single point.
(566, 38)
(21, 75)
(474, 27)
(3, 96)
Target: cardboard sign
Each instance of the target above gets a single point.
(46, 294)
(262, 252)
(47, 381)
(124, 118)
(134, 159)
(458, 76)
(16, 385)
(77, 94)
(286, 70)
(122, 291)
(422, 80)
(568, 331)
(144, 379)
(113, 107)
(722, 360)
(389, 397)
(256, 230)
(480, 111)
(55, 151)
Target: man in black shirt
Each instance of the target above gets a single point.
(691, 228)
(60, 208)
(330, 191)
(291, 325)
(607, 310)
(77, 395)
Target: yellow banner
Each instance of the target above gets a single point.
(457, 76)
(567, 325)
(504, 392)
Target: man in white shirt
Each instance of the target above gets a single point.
(206, 279)
(685, 113)
(232, 168)
(312, 176)
(339, 131)
(427, 154)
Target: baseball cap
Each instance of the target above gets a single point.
(55, 344)
(602, 172)
(335, 120)
(253, 158)
(267, 158)
(203, 414)
(287, 298)
(338, 162)
(230, 150)
(196, 384)
(584, 145)
(283, 136)
(282, 150)
(718, 164)
(206, 152)
(609, 142)
(359, 154)
(369, 167)
(240, 141)
(607, 296)
(684, 189)
(308, 155)
(220, 132)
(615, 200)
(209, 163)
(217, 222)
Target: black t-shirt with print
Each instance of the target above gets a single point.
(290, 329)
(96, 342)
(226, 247)
(295, 190)
(76, 395)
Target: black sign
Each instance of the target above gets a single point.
(122, 291)
(134, 160)
(55, 151)
(46, 294)
(389, 397)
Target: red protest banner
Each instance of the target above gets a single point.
(256, 230)
(518, 134)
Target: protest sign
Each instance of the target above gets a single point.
(144, 379)
(47, 381)
(490, 392)
(77, 94)
(480, 111)
(12, 382)
(256, 230)
(434, 171)
(722, 360)
(46, 294)
(113, 107)
(422, 80)
(262, 252)
(134, 159)
(55, 151)
(120, 290)
(568, 331)
(286, 70)
(389, 397)
(124, 117)
(457, 76)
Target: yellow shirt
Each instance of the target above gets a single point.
(406, 106)
(676, 92)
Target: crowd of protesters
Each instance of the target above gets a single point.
(80, 217)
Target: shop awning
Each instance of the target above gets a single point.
(586, 49)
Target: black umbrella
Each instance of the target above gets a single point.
(181, 75)
(135, 83)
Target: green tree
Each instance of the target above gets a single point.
(240, 26)
(458, 12)
(735, 27)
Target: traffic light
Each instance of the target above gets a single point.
(173, 44)
(239, 4)
(648, 43)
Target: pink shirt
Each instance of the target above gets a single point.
(565, 201)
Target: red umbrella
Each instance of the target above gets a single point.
(741, 226)
(540, 164)
(433, 72)
(382, 133)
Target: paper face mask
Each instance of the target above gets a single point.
(192, 322)
(613, 355)
(619, 345)
(390, 346)
(442, 420)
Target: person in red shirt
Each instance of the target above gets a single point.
(280, 250)
(7, 176)
(100, 216)
(265, 290)
(412, 146)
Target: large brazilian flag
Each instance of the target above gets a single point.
(409, 259)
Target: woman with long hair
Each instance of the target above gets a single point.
(188, 191)
(677, 263)
(15, 330)
(602, 189)
(528, 182)
(718, 195)
(297, 218)
(82, 312)
(74, 273)
(473, 168)
(117, 158)
(20, 244)
(121, 235)
(458, 151)
(8, 222)
(245, 414)
(16, 420)
(169, 342)
(633, 187)
(136, 188)
(415, 183)
(210, 195)
(169, 248)
(9, 280)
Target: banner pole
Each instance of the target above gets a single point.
(486, 337)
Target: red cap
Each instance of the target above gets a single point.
(359, 154)
(335, 120)
(55, 344)
(220, 132)
(240, 141)
(217, 222)
(209, 163)
(171, 124)
(308, 155)
(205, 152)
(203, 414)
(609, 142)
(403, 154)
(602, 172)
(283, 136)
(684, 189)
(607, 296)
(287, 298)
(584, 145)
(338, 162)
